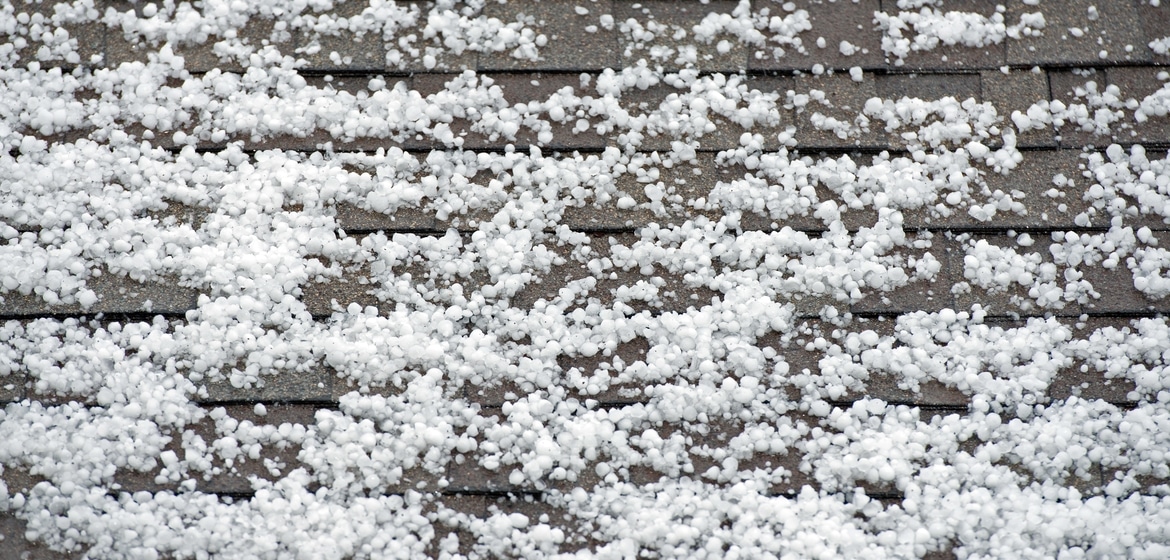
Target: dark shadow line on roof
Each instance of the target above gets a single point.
(107, 317)
(934, 407)
(509, 493)
(319, 404)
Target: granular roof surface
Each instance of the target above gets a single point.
(585, 278)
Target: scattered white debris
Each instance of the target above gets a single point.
(923, 28)
(755, 428)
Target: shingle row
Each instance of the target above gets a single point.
(596, 34)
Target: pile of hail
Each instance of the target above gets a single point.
(716, 440)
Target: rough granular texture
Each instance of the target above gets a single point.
(590, 278)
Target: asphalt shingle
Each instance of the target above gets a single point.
(345, 49)
(662, 33)
(845, 28)
(948, 53)
(1081, 32)
(575, 38)
(1018, 91)
(841, 99)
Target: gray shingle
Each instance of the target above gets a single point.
(1117, 26)
(1017, 91)
(12, 387)
(1044, 202)
(1088, 483)
(835, 21)
(1014, 299)
(471, 477)
(116, 294)
(927, 87)
(1138, 83)
(197, 57)
(645, 102)
(18, 547)
(666, 19)
(235, 478)
(1117, 291)
(1132, 83)
(496, 393)
(1069, 87)
(1086, 383)
(683, 182)
(610, 363)
(957, 56)
(317, 138)
(320, 297)
(673, 293)
(846, 101)
(406, 218)
(345, 50)
(89, 37)
(659, 102)
(313, 385)
(1135, 484)
(576, 41)
(1155, 25)
(461, 516)
(548, 286)
(411, 50)
(927, 393)
(537, 87)
(918, 295)
(516, 89)
(708, 457)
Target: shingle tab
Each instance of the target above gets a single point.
(313, 385)
(672, 26)
(37, 34)
(927, 87)
(1034, 295)
(1080, 32)
(345, 49)
(844, 100)
(1155, 18)
(954, 56)
(845, 28)
(1117, 292)
(12, 387)
(929, 292)
(524, 93)
(325, 297)
(412, 49)
(1018, 90)
(259, 32)
(1049, 188)
(115, 294)
(1069, 87)
(684, 184)
(576, 39)
(1138, 83)
(275, 460)
(13, 530)
(324, 134)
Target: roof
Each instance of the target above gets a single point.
(663, 278)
